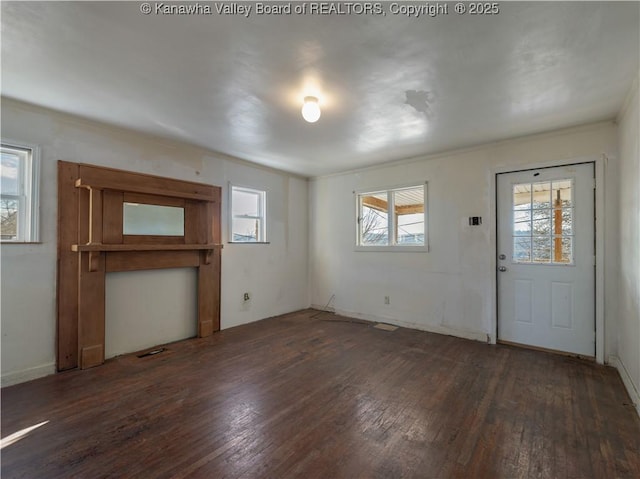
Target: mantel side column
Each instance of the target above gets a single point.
(91, 282)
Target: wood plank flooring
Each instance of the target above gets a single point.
(313, 395)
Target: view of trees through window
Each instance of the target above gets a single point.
(248, 214)
(13, 196)
(543, 222)
(9, 218)
(392, 217)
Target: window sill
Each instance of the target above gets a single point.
(3, 243)
(392, 249)
(249, 242)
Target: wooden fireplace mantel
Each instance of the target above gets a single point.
(144, 247)
(91, 243)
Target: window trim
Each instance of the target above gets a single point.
(392, 247)
(262, 213)
(31, 193)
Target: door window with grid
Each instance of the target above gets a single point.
(543, 222)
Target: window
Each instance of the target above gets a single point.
(543, 222)
(18, 194)
(248, 215)
(392, 219)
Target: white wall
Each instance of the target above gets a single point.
(628, 357)
(275, 274)
(450, 289)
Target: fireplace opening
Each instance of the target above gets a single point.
(146, 308)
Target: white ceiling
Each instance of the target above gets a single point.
(390, 87)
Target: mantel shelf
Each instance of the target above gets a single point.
(144, 247)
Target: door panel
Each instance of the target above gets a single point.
(546, 268)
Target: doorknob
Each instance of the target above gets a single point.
(502, 268)
(503, 256)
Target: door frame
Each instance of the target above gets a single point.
(599, 167)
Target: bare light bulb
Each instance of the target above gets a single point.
(311, 109)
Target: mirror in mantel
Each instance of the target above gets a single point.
(152, 220)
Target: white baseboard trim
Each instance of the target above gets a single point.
(8, 379)
(617, 363)
(439, 329)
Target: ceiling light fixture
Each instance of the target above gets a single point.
(311, 109)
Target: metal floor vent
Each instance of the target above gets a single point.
(152, 352)
(385, 327)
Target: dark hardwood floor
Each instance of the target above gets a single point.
(312, 395)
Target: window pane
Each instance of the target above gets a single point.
(562, 193)
(541, 249)
(521, 249)
(541, 222)
(567, 250)
(10, 172)
(522, 223)
(541, 195)
(374, 226)
(248, 215)
(522, 196)
(411, 229)
(567, 221)
(245, 203)
(409, 210)
(562, 249)
(153, 220)
(377, 201)
(563, 221)
(246, 230)
(9, 219)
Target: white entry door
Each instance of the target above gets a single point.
(546, 258)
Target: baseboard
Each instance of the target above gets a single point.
(323, 307)
(9, 379)
(627, 381)
(439, 329)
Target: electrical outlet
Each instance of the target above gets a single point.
(386, 300)
(247, 296)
